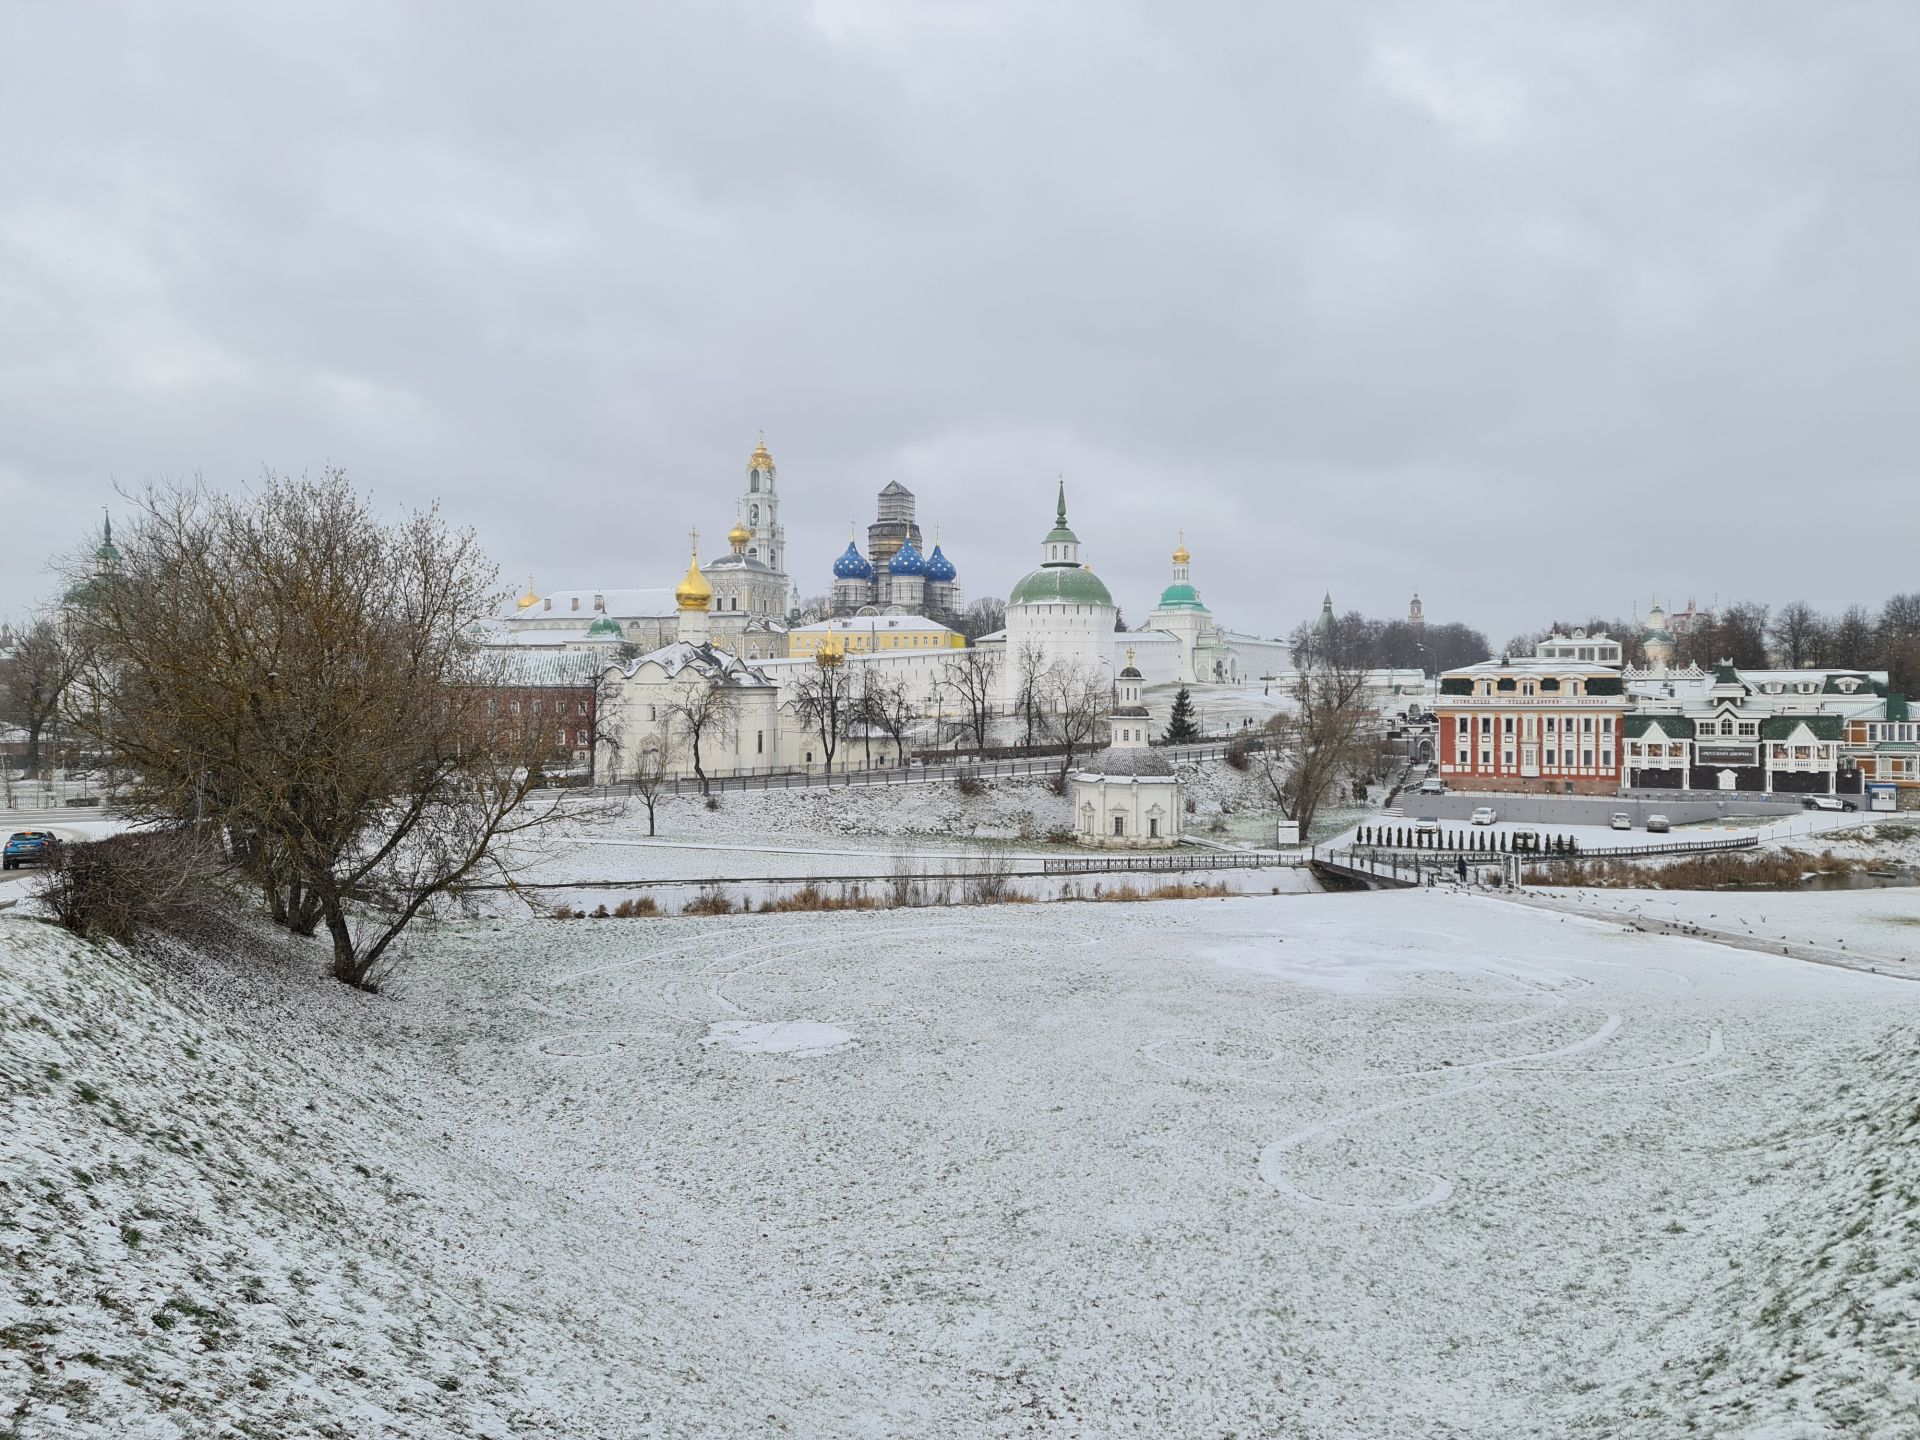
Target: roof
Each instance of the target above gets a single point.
(1674, 727)
(738, 562)
(860, 624)
(621, 604)
(1180, 596)
(1531, 665)
(1060, 585)
(717, 665)
(540, 669)
(1823, 727)
(1120, 761)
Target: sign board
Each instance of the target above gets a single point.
(1289, 832)
(1725, 755)
(1881, 796)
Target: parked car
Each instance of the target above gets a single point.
(28, 847)
(1433, 785)
(1427, 825)
(1485, 815)
(1621, 820)
(1658, 825)
(1827, 802)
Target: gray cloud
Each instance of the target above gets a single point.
(1537, 308)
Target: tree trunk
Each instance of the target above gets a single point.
(347, 966)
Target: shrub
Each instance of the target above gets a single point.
(1060, 835)
(970, 786)
(634, 906)
(1057, 783)
(1240, 753)
(116, 888)
(563, 912)
(709, 902)
(811, 899)
(600, 911)
(713, 802)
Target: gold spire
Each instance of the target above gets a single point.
(762, 458)
(693, 592)
(1180, 556)
(528, 600)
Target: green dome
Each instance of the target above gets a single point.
(1060, 585)
(605, 625)
(1180, 596)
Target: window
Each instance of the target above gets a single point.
(1466, 724)
(581, 707)
(1486, 759)
(1506, 758)
(1486, 724)
(1508, 727)
(1153, 829)
(579, 737)
(1119, 826)
(1551, 723)
(1586, 724)
(759, 742)
(1606, 724)
(514, 707)
(1726, 726)
(1550, 757)
(1586, 757)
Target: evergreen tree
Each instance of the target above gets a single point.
(1180, 727)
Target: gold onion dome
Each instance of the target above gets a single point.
(762, 458)
(528, 600)
(1180, 556)
(739, 535)
(693, 592)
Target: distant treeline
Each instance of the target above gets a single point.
(1755, 637)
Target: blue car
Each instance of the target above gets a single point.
(28, 847)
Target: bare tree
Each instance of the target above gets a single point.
(824, 701)
(975, 676)
(1322, 737)
(705, 713)
(1080, 702)
(889, 708)
(1030, 667)
(33, 682)
(1850, 639)
(650, 771)
(1798, 634)
(984, 616)
(290, 670)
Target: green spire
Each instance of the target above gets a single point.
(1060, 534)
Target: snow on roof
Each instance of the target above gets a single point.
(716, 665)
(621, 604)
(854, 624)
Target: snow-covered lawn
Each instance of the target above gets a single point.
(1403, 1164)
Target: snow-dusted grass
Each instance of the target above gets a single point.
(1407, 1164)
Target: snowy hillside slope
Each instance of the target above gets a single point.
(215, 1228)
(1814, 1326)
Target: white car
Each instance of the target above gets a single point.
(1433, 786)
(1427, 825)
(1621, 820)
(1485, 815)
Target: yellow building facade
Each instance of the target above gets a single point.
(870, 634)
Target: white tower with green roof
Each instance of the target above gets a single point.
(1062, 608)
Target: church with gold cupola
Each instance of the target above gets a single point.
(750, 579)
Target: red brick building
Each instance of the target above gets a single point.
(1538, 726)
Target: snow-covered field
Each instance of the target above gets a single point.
(1407, 1164)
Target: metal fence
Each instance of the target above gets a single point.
(915, 772)
(1450, 854)
(1211, 860)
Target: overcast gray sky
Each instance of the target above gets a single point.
(1537, 308)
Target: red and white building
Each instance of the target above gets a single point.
(1544, 726)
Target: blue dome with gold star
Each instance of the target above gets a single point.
(852, 565)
